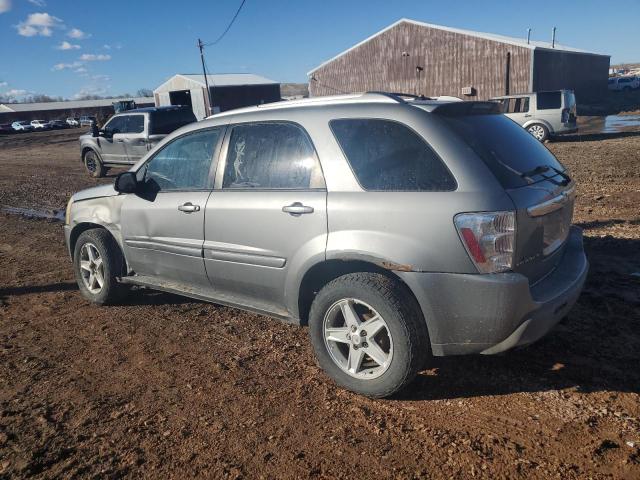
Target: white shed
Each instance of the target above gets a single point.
(228, 91)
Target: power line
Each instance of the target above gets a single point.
(228, 26)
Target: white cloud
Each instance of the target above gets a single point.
(5, 6)
(16, 92)
(67, 46)
(106, 46)
(80, 70)
(92, 90)
(3, 84)
(66, 66)
(77, 34)
(38, 24)
(90, 57)
(38, 3)
(100, 78)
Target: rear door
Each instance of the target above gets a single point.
(549, 108)
(540, 187)
(163, 224)
(267, 214)
(517, 109)
(135, 141)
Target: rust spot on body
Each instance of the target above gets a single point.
(400, 267)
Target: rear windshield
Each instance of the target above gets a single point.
(164, 122)
(507, 149)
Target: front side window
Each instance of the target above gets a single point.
(271, 156)
(116, 125)
(184, 163)
(387, 155)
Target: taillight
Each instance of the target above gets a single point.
(565, 115)
(489, 238)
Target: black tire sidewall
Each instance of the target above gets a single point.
(112, 264)
(409, 349)
(100, 170)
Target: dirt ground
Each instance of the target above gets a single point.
(166, 387)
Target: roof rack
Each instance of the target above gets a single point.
(397, 96)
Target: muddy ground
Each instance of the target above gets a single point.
(166, 387)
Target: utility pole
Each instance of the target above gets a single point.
(206, 80)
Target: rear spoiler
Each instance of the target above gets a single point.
(460, 109)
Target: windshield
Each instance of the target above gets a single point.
(514, 156)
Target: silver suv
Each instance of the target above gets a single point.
(542, 114)
(395, 229)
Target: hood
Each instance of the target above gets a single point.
(94, 192)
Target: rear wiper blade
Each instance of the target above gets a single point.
(536, 171)
(540, 169)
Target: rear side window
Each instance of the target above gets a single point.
(549, 100)
(507, 149)
(389, 156)
(271, 156)
(164, 122)
(135, 124)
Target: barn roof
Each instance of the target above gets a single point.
(221, 80)
(520, 42)
(67, 105)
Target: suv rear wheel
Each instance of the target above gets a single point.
(92, 163)
(97, 262)
(368, 334)
(539, 131)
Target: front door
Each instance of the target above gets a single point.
(163, 224)
(267, 216)
(136, 144)
(112, 149)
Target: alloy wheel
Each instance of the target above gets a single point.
(537, 131)
(357, 338)
(91, 268)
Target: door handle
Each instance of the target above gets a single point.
(189, 208)
(527, 115)
(296, 209)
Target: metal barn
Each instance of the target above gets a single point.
(228, 91)
(421, 58)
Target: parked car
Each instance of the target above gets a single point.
(58, 124)
(22, 126)
(625, 84)
(86, 121)
(395, 229)
(542, 114)
(6, 128)
(73, 122)
(128, 136)
(40, 125)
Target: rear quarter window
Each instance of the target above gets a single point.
(163, 122)
(549, 100)
(388, 156)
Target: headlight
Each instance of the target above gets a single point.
(67, 213)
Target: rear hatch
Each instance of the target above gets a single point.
(539, 185)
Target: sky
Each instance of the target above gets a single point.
(70, 48)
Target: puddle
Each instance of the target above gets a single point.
(57, 215)
(609, 124)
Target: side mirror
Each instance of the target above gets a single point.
(126, 182)
(95, 132)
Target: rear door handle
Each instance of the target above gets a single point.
(189, 208)
(296, 209)
(527, 115)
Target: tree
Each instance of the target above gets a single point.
(145, 92)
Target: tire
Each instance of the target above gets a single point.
(539, 131)
(93, 164)
(102, 247)
(404, 339)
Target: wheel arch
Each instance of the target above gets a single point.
(538, 121)
(82, 227)
(321, 273)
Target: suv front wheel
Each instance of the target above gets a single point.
(368, 334)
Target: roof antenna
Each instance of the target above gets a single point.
(553, 38)
(528, 36)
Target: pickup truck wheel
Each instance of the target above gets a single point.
(97, 261)
(92, 163)
(368, 334)
(539, 131)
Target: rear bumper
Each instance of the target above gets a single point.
(493, 313)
